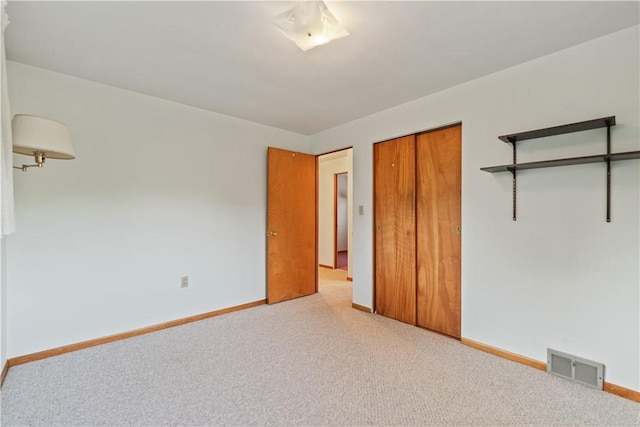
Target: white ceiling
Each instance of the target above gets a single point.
(228, 58)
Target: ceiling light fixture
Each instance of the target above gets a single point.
(41, 138)
(309, 24)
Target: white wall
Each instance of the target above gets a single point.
(158, 190)
(3, 303)
(329, 165)
(5, 139)
(560, 276)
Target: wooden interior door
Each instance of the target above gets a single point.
(395, 228)
(438, 159)
(291, 225)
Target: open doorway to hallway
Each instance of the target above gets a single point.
(341, 229)
(335, 215)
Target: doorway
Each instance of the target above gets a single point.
(341, 220)
(335, 214)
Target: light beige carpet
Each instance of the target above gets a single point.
(325, 273)
(310, 361)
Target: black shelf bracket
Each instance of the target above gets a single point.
(608, 172)
(515, 181)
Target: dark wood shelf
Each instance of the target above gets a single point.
(627, 155)
(559, 130)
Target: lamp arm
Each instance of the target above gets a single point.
(39, 158)
(23, 168)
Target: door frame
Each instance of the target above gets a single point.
(334, 209)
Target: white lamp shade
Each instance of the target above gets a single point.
(33, 134)
(309, 24)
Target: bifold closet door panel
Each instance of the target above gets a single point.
(438, 160)
(395, 228)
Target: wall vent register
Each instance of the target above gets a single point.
(607, 157)
(575, 368)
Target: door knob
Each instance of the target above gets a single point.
(271, 233)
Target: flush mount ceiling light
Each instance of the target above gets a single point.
(310, 24)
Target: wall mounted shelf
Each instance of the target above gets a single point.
(607, 157)
(559, 130)
(599, 158)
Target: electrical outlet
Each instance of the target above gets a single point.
(184, 282)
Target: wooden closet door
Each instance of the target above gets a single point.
(438, 159)
(394, 228)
